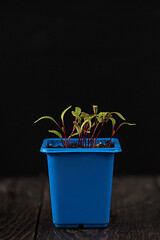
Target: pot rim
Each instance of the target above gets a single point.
(57, 141)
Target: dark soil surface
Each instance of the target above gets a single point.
(77, 145)
(101, 145)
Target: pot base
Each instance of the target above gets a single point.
(83, 225)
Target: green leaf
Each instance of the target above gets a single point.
(73, 113)
(86, 131)
(78, 110)
(100, 119)
(96, 126)
(88, 118)
(56, 133)
(76, 116)
(103, 114)
(92, 116)
(63, 113)
(108, 116)
(95, 109)
(130, 124)
(126, 123)
(113, 122)
(92, 124)
(78, 128)
(83, 124)
(119, 115)
(45, 117)
(85, 115)
(74, 134)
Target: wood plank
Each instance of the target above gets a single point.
(135, 214)
(157, 181)
(136, 208)
(20, 202)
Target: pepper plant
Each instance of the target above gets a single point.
(86, 126)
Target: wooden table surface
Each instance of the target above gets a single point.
(25, 211)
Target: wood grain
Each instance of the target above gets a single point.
(25, 212)
(20, 201)
(135, 213)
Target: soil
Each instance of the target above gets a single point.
(76, 145)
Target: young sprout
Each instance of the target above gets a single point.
(63, 130)
(87, 126)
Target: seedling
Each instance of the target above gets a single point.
(86, 126)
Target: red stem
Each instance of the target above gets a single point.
(93, 132)
(65, 134)
(58, 126)
(85, 133)
(83, 136)
(98, 134)
(72, 132)
(88, 134)
(88, 138)
(61, 130)
(81, 140)
(112, 136)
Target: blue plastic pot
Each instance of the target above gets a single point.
(80, 183)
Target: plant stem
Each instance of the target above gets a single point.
(65, 134)
(62, 131)
(88, 138)
(85, 133)
(93, 131)
(112, 136)
(88, 134)
(98, 134)
(81, 140)
(83, 136)
(72, 132)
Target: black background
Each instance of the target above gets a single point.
(56, 55)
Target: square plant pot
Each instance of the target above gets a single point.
(80, 183)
